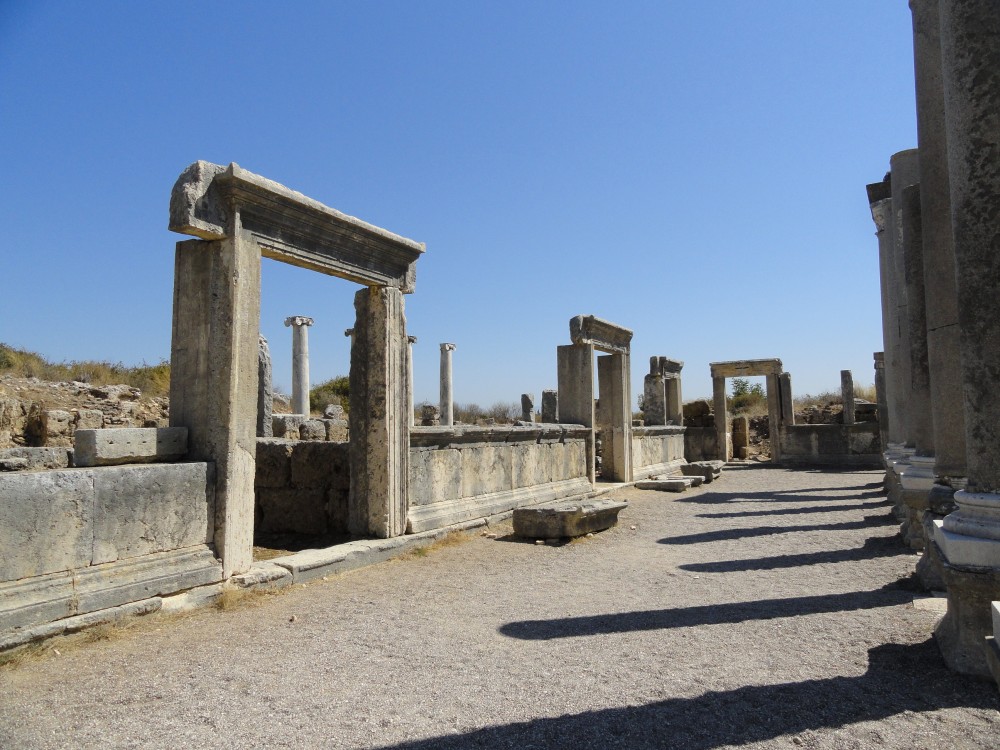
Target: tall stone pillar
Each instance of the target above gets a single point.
(380, 434)
(787, 404)
(879, 196)
(265, 389)
(944, 357)
(654, 395)
(905, 171)
(675, 404)
(917, 478)
(774, 415)
(300, 362)
(410, 341)
(883, 409)
(446, 401)
(550, 406)
(527, 407)
(213, 383)
(847, 395)
(969, 538)
(614, 379)
(721, 418)
(575, 365)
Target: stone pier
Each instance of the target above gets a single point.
(446, 402)
(527, 407)
(969, 538)
(300, 362)
(787, 403)
(847, 395)
(410, 341)
(550, 406)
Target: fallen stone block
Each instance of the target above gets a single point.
(312, 429)
(708, 470)
(129, 445)
(677, 484)
(566, 519)
(89, 419)
(287, 425)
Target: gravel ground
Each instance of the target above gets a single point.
(768, 609)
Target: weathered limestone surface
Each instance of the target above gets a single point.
(288, 226)
(654, 399)
(302, 487)
(265, 389)
(831, 445)
(46, 522)
(379, 425)
(38, 458)
(129, 445)
(615, 387)
(561, 520)
(921, 421)
(785, 397)
(708, 470)
(550, 407)
(213, 384)
(673, 484)
(745, 368)
(601, 334)
(527, 407)
(472, 472)
(847, 395)
(287, 426)
(657, 450)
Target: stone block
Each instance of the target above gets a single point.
(697, 409)
(678, 484)
(317, 464)
(46, 522)
(13, 463)
(335, 411)
(550, 406)
(337, 430)
(140, 510)
(566, 519)
(274, 463)
(300, 511)
(312, 429)
(36, 600)
(430, 415)
(287, 425)
(89, 419)
(129, 445)
(56, 426)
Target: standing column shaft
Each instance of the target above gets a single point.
(774, 415)
(721, 418)
(969, 538)
(410, 341)
(446, 402)
(787, 405)
(940, 295)
(300, 362)
(675, 405)
(847, 394)
(879, 358)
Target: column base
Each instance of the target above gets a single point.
(941, 502)
(916, 481)
(972, 587)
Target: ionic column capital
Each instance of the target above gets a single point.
(298, 320)
(448, 347)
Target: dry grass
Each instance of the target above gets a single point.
(451, 539)
(234, 598)
(152, 380)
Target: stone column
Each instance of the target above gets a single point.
(550, 406)
(787, 404)
(213, 383)
(446, 401)
(969, 538)
(654, 395)
(881, 208)
(917, 478)
(576, 391)
(300, 362)
(847, 395)
(883, 409)
(527, 407)
(265, 389)
(721, 418)
(774, 416)
(905, 171)
(675, 404)
(410, 341)
(613, 378)
(380, 434)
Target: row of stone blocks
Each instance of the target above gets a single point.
(301, 427)
(102, 447)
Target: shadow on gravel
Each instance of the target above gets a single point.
(724, 534)
(792, 511)
(899, 678)
(797, 496)
(708, 614)
(872, 548)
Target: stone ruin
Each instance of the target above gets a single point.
(133, 517)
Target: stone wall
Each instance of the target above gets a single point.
(657, 450)
(458, 474)
(701, 443)
(831, 445)
(78, 540)
(301, 487)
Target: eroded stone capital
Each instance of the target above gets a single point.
(298, 320)
(348, 332)
(602, 334)
(447, 348)
(411, 339)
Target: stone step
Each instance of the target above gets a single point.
(566, 519)
(671, 484)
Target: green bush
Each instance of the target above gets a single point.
(334, 391)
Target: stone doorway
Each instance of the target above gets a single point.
(771, 370)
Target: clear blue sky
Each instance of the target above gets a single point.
(692, 170)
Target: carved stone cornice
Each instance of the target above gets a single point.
(211, 202)
(602, 334)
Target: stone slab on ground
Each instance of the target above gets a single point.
(708, 470)
(675, 484)
(129, 445)
(567, 519)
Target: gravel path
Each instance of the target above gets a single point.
(768, 609)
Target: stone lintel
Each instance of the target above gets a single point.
(665, 367)
(743, 368)
(602, 334)
(207, 200)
